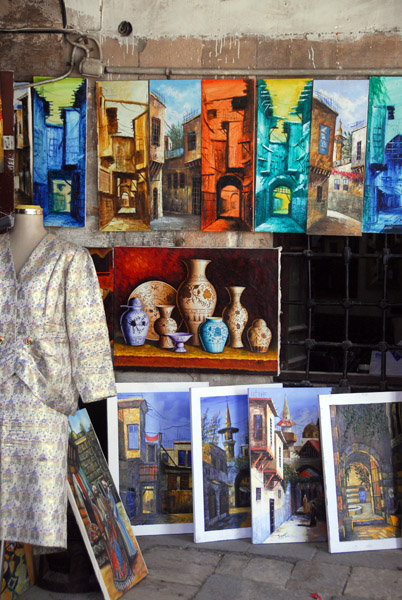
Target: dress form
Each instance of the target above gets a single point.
(26, 234)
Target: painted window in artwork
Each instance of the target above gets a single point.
(391, 113)
(280, 457)
(172, 481)
(319, 193)
(132, 434)
(258, 494)
(182, 180)
(271, 433)
(337, 183)
(192, 140)
(211, 113)
(156, 131)
(258, 428)
(184, 481)
(182, 458)
(323, 141)
(345, 184)
(189, 458)
(358, 151)
(151, 452)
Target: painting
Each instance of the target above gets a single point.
(361, 437)
(221, 467)
(282, 154)
(17, 567)
(337, 157)
(123, 161)
(59, 150)
(175, 153)
(182, 290)
(23, 144)
(103, 261)
(6, 148)
(382, 196)
(227, 163)
(101, 518)
(149, 437)
(287, 484)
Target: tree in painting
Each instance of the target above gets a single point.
(283, 136)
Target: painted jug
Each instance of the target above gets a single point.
(213, 334)
(235, 316)
(134, 323)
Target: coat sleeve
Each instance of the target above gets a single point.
(91, 361)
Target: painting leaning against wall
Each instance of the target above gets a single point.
(123, 138)
(282, 154)
(59, 157)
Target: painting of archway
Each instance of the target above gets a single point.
(229, 197)
(281, 200)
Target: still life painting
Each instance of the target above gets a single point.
(287, 484)
(123, 162)
(175, 153)
(227, 162)
(282, 154)
(337, 157)
(382, 196)
(100, 514)
(196, 308)
(103, 262)
(59, 150)
(362, 458)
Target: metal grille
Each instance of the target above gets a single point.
(341, 319)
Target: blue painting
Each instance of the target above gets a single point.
(287, 484)
(175, 153)
(283, 139)
(59, 155)
(382, 194)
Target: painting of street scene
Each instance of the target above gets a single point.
(383, 184)
(102, 520)
(282, 154)
(287, 485)
(59, 150)
(337, 157)
(123, 161)
(175, 153)
(362, 460)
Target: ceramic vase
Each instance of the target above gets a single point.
(164, 325)
(259, 336)
(196, 296)
(235, 316)
(213, 334)
(134, 323)
(180, 338)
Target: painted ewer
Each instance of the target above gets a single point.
(235, 316)
(196, 296)
(165, 324)
(213, 334)
(134, 323)
(259, 336)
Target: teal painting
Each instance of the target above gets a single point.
(283, 141)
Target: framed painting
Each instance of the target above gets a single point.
(6, 149)
(287, 484)
(337, 157)
(229, 295)
(282, 154)
(103, 261)
(175, 153)
(362, 456)
(18, 572)
(123, 163)
(149, 440)
(221, 468)
(382, 198)
(59, 150)
(101, 518)
(227, 163)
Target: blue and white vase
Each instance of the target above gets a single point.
(134, 323)
(213, 333)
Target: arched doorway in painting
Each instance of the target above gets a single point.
(229, 197)
(281, 200)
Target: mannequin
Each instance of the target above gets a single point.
(26, 234)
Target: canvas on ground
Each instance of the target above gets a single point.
(287, 485)
(282, 154)
(337, 157)
(123, 161)
(175, 153)
(100, 514)
(59, 150)
(221, 468)
(362, 455)
(150, 455)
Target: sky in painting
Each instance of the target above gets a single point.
(238, 409)
(285, 95)
(59, 94)
(79, 420)
(349, 98)
(181, 97)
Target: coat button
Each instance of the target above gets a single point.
(2, 340)
(28, 341)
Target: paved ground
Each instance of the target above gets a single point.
(182, 570)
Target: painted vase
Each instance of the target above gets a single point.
(235, 316)
(259, 336)
(213, 334)
(164, 325)
(134, 323)
(196, 296)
